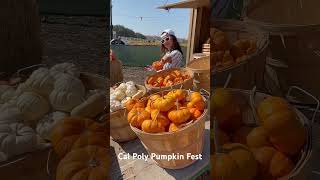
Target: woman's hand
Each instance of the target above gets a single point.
(166, 59)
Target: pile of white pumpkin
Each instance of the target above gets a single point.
(43, 100)
(121, 94)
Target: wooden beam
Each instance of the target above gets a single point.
(187, 4)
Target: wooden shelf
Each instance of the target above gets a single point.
(187, 4)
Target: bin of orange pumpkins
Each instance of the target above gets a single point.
(80, 149)
(273, 146)
(170, 122)
(173, 78)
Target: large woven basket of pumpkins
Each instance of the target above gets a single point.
(240, 49)
(173, 78)
(258, 136)
(170, 122)
(43, 98)
(120, 94)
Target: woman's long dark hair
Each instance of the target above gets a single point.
(176, 45)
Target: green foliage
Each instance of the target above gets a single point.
(126, 32)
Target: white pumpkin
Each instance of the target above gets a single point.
(33, 107)
(118, 95)
(68, 93)
(16, 139)
(65, 100)
(130, 83)
(7, 94)
(4, 88)
(65, 68)
(122, 87)
(41, 81)
(115, 105)
(10, 113)
(131, 91)
(112, 90)
(3, 157)
(46, 124)
(91, 107)
(23, 87)
(70, 84)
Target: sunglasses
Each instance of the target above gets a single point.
(165, 40)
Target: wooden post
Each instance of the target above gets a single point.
(19, 35)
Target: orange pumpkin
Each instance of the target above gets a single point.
(195, 113)
(200, 105)
(134, 103)
(280, 120)
(226, 110)
(264, 155)
(87, 163)
(151, 99)
(258, 137)
(137, 115)
(167, 79)
(177, 73)
(235, 162)
(179, 115)
(160, 80)
(157, 65)
(160, 117)
(195, 96)
(152, 80)
(280, 165)
(163, 103)
(177, 94)
(173, 127)
(152, 126)
(74, 132)
(272, 162)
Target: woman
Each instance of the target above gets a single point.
(172, 52)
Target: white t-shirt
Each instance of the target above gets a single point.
(176, 58)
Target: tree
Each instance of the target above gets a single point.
(126, 32)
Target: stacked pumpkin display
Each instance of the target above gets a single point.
(168, 78)
(268, 151)
(30, 111)
(225, 55)
(165, 112)
(81, 146)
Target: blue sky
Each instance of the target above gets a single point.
(128, 13)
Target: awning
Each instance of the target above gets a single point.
(187, 4)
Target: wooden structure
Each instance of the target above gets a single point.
(20, 44)
(199, 30)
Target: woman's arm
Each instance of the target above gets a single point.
(166, 59)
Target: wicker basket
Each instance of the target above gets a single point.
(189, 139)
(250, 71)
(187, 84)
(201, 70)
(249, 119)
(120, 130)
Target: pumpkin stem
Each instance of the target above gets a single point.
(157, 115)
(94, 163)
